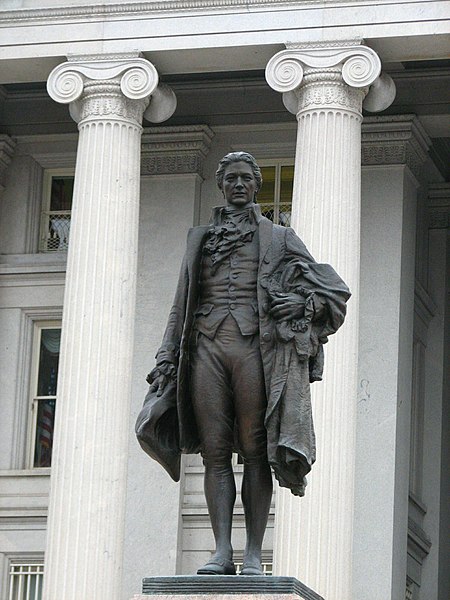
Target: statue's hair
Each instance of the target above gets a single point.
(238, 157)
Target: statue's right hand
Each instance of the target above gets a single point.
(160, 376)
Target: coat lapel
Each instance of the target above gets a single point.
(265, 240)
(195, 239)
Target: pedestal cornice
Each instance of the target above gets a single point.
(396, 140)
(175, 150)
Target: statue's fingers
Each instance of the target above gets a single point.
(154, 386)
(279, 315)
(162, 385)
(278, 302)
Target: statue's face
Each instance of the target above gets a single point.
(239, 184)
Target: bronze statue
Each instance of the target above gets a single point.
(243, 341)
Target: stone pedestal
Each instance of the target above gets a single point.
(204, 587)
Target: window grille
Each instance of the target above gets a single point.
(275, 196)
(43, 392)
(25, 581)
(267, 567)
(57, 210)
(56, 231)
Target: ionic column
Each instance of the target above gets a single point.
(88, 483)
(325, 87)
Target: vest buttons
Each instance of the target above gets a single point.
(232, 288)
(234, 275)
(266, 336)
(266, 260)
(232, 306)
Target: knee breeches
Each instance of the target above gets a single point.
(228, 392)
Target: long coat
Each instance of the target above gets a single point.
(291, 353)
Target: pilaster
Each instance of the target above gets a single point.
(107, 96)
(394, 151)
(325, 85)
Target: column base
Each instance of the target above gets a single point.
(205, 587)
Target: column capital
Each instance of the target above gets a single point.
(119, 85)
(360, 65)
(349, 63)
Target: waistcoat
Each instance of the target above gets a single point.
(231, 290)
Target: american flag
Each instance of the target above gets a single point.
(46, 419)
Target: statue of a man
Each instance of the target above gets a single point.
(243, 341)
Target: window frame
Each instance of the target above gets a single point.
(48, 176)
(38, 326)
(278, 163)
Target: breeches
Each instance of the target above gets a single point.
(227, 391)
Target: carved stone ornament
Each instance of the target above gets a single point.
(114, 85)
(394, 140)
(324, 75)
(175, 150)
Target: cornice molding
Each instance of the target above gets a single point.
(150, 8)
(175, 150)
(394, 140)
(439, 206)
(7, 148)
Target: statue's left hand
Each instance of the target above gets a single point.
(287, 306)
(160, 376)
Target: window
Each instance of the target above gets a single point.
(25, 580)
(56, 213)
(275, 197)
(47, 337)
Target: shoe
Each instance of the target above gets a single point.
(251, 570)
(218, 566)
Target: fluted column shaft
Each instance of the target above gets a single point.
(88, 481)
(325, 88)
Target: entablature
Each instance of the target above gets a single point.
(195, 36)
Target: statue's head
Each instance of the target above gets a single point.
(237, 157)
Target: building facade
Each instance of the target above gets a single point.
(112, 120)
